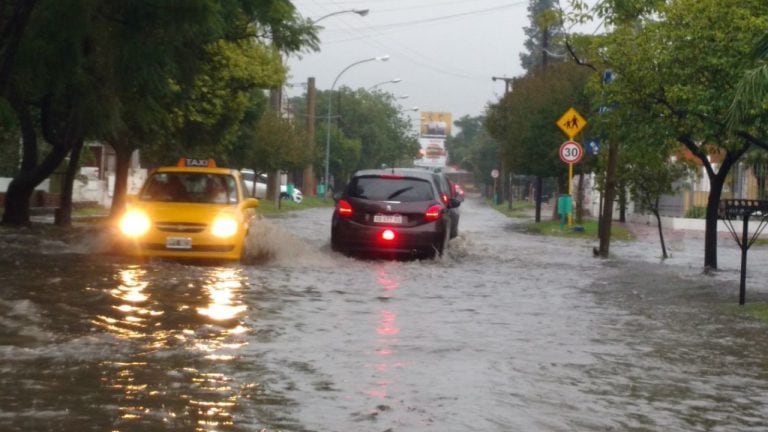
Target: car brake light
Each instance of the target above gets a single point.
(445, 198)
(344, 208)
(433, 213)
(388, 235)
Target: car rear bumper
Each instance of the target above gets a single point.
(349, 236)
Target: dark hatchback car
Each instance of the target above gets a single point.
(394, 211)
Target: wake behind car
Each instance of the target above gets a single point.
(191, 210)
(393, 211)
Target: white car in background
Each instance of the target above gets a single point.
(260, 190)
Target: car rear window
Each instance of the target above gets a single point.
(401, 189)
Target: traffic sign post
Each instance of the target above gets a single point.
(571, 123)
(495, 175)
(570, 153)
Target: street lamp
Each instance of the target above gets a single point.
(361, 12)
(328, 123)
(393, 81)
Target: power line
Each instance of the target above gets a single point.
(396, 26)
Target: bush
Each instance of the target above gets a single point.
(696, 213)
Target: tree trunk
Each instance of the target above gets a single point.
(17, 203)
(64, 211)
(538, 199)
(622, 202)
(580, 200)
(123, 153)
(661, 233)
(610, 194)
(308, 179)
(20, 190)
(710, 232)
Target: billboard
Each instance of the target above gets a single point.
(432, 152)
(435, 124)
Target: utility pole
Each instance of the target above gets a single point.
(508, 82)
(273, 186)
(309, 171)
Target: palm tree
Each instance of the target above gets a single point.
(753, 87)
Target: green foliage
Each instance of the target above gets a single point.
(9, 148)
(268, 207)
(696, 213)
(367, 130)
(545, 32)
(587, 230)
(484, 156)
(278, 145)
(524, 121)
(460, 147)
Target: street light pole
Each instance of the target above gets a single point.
(328, 122)
(392, 81)
(361, 12)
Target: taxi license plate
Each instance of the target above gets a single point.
(390, 219)
(178, 243)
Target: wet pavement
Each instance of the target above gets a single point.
(507, 332)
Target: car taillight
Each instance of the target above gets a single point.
(433, 213)
(445, 198)
(344, 208)
(388, 235)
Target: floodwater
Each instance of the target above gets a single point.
(507, 332)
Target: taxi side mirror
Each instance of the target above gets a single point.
(250, 203)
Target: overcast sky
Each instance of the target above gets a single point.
(444, 51)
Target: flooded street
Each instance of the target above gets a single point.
(507, 332)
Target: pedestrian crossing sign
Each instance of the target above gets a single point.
(571, 123)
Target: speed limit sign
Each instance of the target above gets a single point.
(571, 152)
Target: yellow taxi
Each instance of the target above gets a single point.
(192, 210)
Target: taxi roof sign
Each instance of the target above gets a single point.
(196, 163)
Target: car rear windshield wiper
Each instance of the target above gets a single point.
(399, 191)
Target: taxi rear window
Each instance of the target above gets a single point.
(190, 188)
(401, 189)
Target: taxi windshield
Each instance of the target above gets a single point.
(185, 187)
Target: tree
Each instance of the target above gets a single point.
(198, 79)
(278, 145)
(460, 146)
(651, 174)
(371, 119)
(136, 74)
(662, 71)
(544, 35)
(523, 122)
(50, 96)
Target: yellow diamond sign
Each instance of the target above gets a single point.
(571, 123)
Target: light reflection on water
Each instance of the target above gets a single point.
(387, 329)
(184, 335)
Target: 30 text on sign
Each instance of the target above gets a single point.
(571, 152)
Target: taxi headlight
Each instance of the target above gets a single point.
(135, 223)
(224, 226)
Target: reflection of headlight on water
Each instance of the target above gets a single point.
(224, 226)
(135, 223)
